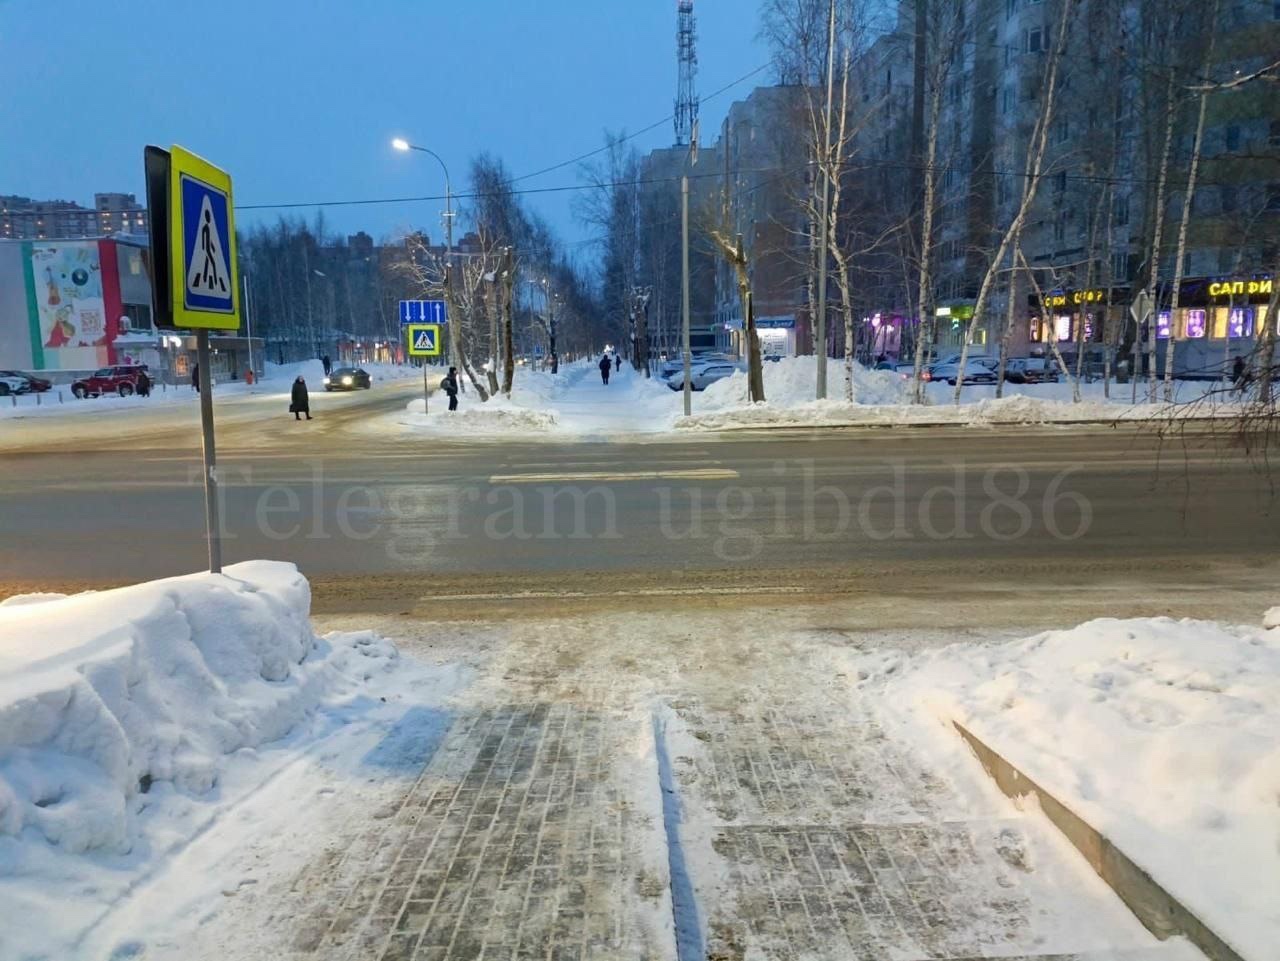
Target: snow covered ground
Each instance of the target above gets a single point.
(134, 721)
(575, 403)
(276, 381)
(1160, 733)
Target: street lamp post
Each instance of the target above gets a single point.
(399, 143)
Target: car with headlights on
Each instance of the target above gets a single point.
(348, 378)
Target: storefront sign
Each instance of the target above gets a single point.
(1063, 298)
(1241, 288)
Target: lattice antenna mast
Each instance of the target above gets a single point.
(687, 59)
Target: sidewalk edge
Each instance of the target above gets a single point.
(1159, 911)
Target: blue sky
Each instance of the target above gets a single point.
(299, 100)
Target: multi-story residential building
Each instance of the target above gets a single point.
(764, 155)
(660, 245)
(112, 214)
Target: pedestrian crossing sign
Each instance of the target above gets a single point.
(424, 340)
(193, 216)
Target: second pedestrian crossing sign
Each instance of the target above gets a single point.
(424, 340)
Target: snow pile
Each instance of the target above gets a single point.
(790, 383)
(123, 715)
(1160, 733)
(105, 695)
(789, 392)
(497, 415)
(1022, 409)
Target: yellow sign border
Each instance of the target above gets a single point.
(409, 336)
(184, 162)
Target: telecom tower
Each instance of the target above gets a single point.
(687, 59)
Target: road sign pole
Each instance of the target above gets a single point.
(426, 390)
(210, 453)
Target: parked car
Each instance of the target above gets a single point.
(1030, 370)
(348, 378)
(976, 371)
(702, 376)
(35, 385)
(12, 384)
(121, 379)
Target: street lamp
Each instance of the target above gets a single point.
(399, 143)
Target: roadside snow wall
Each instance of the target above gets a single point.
(104, 695)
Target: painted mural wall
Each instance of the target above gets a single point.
(70, 305)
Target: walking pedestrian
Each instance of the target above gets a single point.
(604, 369)
(617, 362)
(195, 377)
(143, 384)
(450, 386)
(300, 402)
(1238, 374)
(327, 364)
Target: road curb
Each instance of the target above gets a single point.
(882, 425)
(1160, 912)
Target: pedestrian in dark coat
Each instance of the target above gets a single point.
(301, 403)
(327, 364)
(195, 377)
(1238, 373)
(604, 369)
(143, 384)
(450, 386)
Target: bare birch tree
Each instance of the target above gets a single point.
(1031, 183)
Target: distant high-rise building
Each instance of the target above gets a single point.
(112, 214)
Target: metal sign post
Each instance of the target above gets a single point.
(212, 526)
(193, 280)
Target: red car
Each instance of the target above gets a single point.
(121, 379)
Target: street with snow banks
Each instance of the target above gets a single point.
(566, 675)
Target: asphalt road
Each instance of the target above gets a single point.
(946, 520)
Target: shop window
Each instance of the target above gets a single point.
(1195, 324)
(1218, 330)
(1164, 325)
(1062, 327)
(1240, 322)
(1033, 332)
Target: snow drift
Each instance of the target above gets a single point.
(105, 696)
(1160, 733)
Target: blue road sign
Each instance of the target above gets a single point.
(206, 246)
(423, 312)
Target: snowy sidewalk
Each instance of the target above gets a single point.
(714, 798)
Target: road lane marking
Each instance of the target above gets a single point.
(773, 589)
(701, 473)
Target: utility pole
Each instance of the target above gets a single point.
(684, 294)
(248, 320)
(826, 208)
(551, 331)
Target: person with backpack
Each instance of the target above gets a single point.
(450, 386)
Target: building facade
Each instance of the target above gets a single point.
(112, 215)
(71, 307)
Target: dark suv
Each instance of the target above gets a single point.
(121, 379)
